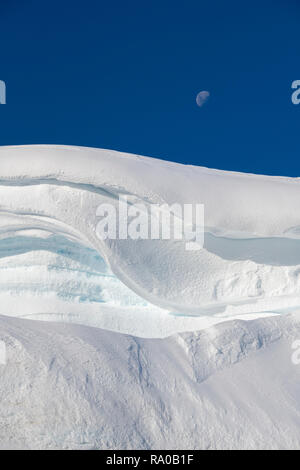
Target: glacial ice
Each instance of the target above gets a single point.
(53, 266)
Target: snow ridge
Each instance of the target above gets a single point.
(49, 195)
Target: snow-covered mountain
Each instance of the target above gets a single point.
(179, 367)
(53, 263)
(232, 386)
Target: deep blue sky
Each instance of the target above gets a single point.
(124, 75)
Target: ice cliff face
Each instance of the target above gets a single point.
(53, 265)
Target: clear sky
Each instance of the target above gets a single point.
(125, 74)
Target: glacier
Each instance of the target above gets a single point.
(141, 344)
(53, 265)
(231, 386)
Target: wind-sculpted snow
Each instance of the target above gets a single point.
(53, 265)
(232, 386)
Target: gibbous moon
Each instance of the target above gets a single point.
(202, 97)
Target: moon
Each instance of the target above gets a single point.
(202, 98)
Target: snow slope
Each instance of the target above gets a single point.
(172, 373)
(232, 386)
(53, 266)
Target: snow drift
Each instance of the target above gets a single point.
(75, 387)
(53, 266)
(67, 386)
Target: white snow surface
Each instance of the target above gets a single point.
(232, 386)
(53, 266)
(172, 364)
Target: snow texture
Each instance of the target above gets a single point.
(53, 266)
(172, 363)
(232, 386)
